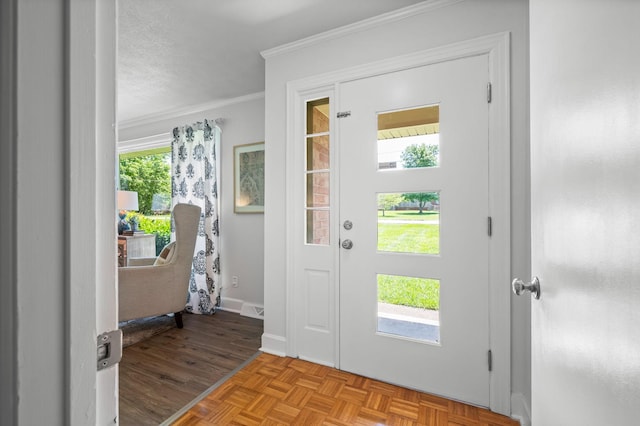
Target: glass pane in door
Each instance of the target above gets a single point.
(409, 307)
(409, 138)
(409, 222)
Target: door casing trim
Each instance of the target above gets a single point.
(497, 47)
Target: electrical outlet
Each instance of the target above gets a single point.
(234, 281)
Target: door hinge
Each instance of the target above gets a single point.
(490, 360)
(489, 93)
(344, 114)
(489, 226)
(109, 349)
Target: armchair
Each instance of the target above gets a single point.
(158, 289)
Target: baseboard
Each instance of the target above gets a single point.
(274, 345)
(252, 310)
(231, 305)
(520, 409)
(241, 307)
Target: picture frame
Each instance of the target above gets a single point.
(248, 178)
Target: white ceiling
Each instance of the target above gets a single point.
(175, 54)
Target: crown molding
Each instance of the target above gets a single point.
(396, 15)
(193, 109)
(142, 144)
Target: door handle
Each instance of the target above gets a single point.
(519, 287)
(347, 244)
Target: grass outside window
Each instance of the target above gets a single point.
(408, 215)
(409, 291)
(407, 231)
(409, 237)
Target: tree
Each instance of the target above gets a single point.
(420, 155)
(387, 201)
(422, 198)
(147, 175)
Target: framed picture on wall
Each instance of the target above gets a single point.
(248, 178)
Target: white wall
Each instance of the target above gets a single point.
(585, 146)
(458, 22)
(242, 235)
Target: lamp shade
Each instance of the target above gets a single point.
(127, 200)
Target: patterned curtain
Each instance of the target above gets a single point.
(194, 180)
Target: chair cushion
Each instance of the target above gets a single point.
(166, 254)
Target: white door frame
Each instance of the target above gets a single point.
(91, 82)
(497, 48)
(58, 62)
(106, 310)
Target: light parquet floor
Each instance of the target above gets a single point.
(285, 391)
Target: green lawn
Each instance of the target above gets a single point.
(409, 238)
(409, 291)
(409, 215)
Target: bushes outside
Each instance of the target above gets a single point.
(159, 225)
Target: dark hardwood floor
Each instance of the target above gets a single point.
(162, 374)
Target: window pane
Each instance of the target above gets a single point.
(150, 176)
(318, 227)
(409, 138)
(318, 116)
(409, 307)
(318, 153)
(318, 189)
(409, 222)
(317, 176)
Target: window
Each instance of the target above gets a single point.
(317, 172)
(149, 174)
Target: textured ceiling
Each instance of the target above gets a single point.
(178, 53)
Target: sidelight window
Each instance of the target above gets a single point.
(318, 172)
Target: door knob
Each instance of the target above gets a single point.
(520, 287)
(347, 244)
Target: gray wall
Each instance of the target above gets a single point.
(242, 235)
(458, 22)
(40, 256)
(8, 305)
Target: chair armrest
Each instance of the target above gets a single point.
(140, 261)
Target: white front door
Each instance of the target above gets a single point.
(414, 284)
